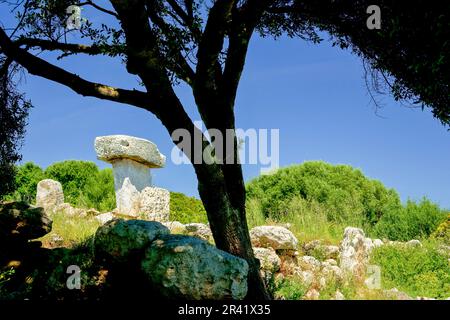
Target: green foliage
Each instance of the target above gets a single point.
(418, 271)
(344, 193)
(26, 180)
(442, 233)
(73, 175)
(414, 221)
(14, 109)
(186, 209)
(98, 192)
(73, 230)
(289, 289)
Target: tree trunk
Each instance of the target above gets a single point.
(228, 222)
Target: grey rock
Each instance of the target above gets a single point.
(275, 237)
(49, 195)
(189, 268)
(270, 261)
(155, 204)
(119, 239)
(111, 148)
(199, 230)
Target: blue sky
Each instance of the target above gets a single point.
(315, 95)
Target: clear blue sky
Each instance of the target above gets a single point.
(314, 94)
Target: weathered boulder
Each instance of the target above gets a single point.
(275, 237)
(309, 263)
(312, 294)
(20, 222)
(270, 261)
(339, 296)
(414, 243)
(175, 227)
(118, 240)
(49, 195)
(155, 204)
(377, 243)
(199, 230)
(105, 217)
(355, 251)
(189, 268)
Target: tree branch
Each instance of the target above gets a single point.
(42, 68)
(61, 46)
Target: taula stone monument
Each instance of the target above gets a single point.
(132, 160)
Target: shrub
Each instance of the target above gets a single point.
(73, 175)
(418, 271)
(442, 233)
(26, 180)
(414, 221)
(98, 192)
(344, 192)
(186, 209)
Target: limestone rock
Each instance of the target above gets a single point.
(49, 195)
(105, 217)
(111, 148)
(414, 243)
(377, 243)
(355, 251)
(395, 294)
(339, 296)
(155, 204)
(119, 239)
(175, 227)
(274, 237)
(312, 294)
(329, 262)
(270, 261)
(199, 230)
(189, 268)
(309, 263)
(128, 199)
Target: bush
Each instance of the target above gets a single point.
(442, 232)
(74, 176)
(98, 192)
(414, 221)
(26, 180)
(418, 271)
(345, 193)
(186, 209)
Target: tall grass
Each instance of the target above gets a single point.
(73, 230)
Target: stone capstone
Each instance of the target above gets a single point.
(118, 147)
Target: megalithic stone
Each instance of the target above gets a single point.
(131, 158)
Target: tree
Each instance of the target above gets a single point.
(204, 44)
(13, 115)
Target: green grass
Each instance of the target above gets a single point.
(74, 230)
(420, 271)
